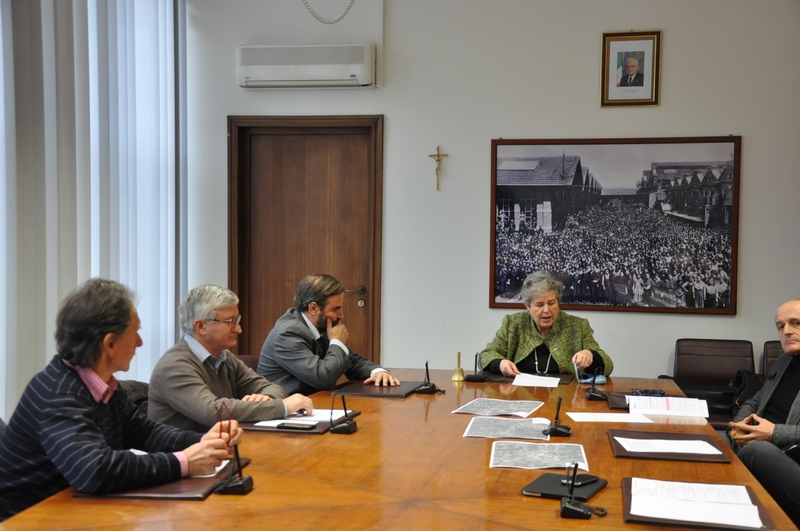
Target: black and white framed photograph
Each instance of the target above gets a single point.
(631, 68)
(626, 224)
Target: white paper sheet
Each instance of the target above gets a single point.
(608, 417)
(512, 454)
(319, 415)
(693, 502)
(533, 380)
(668, 405)
(667, 446)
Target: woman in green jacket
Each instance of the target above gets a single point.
(543, 339)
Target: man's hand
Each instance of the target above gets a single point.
(583, 358)
(296, 402)
(338, 332)
(230, 432)
(206, 455)
(382, 378)
(256, 398)
(744, 432)
(508, 368)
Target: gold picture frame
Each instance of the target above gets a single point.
(631, 69)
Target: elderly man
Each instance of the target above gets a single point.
(306, 350)
(75, 426)
(632, 76)
(199, 376)
(769, 422)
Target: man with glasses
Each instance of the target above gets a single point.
(199, 377)
(75, 426)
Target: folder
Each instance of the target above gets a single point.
(321, 427)
(766, 522)
(563, 379)
(382, 391)
(188, 488)
(619, 451)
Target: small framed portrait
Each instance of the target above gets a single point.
(631, 68)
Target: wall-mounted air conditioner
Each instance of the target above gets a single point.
(330, 65)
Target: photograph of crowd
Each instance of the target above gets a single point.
(631, 225)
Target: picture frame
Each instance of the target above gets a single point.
(631, 69)
(626, 224)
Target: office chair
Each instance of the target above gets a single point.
(2, 427)
(251, 360)
(138, 393)
(705, 368)
(772, 351)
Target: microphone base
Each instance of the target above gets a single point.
(592, 394)
(347, 427)
(241, 485)
(478, 377)
(571, 508)
(428, 389)
(558, 430)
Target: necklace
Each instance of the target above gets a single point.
(536, 362)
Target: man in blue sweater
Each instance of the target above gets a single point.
(74, 426)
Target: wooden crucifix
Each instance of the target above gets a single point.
(438, 156)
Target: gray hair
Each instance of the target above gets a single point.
(202, 303)
(540, 282)
(97, 308)
(635, 60)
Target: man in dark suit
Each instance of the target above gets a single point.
(632, 78)
(306, 350)
(769, 422)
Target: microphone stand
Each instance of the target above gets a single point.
(592, 393)
(348, 425)
(570, 507)
(476, 376)
(427, 387)
(235, 485)
(556, 429)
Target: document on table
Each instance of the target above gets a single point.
(496, 428)
(693, 502)
(511, 454)
(494, 407)
(608, 417)
(668, 405)
(319, 415)
(667, 446)
(532, 380)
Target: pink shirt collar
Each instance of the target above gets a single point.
(101, 391)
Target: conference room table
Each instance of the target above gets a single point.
(407, 466)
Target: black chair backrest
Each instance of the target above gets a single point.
(772, 351)
(2, 427)
(712, 361)
(251, 360)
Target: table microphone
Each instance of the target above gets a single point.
(556, 429)
(476, 376)
(592, 393)
(348, 425)
(427, 387)
(572, 508)
(235, 485)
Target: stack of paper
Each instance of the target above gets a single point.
(668, 406)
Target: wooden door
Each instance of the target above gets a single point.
(305, 196)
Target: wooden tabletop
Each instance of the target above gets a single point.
(407, 467)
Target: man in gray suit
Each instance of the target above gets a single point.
(769, 422)
(306, 350)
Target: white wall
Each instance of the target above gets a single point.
(458, 73)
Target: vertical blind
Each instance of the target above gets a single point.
(91, 170)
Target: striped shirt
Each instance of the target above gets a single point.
(60, 435)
